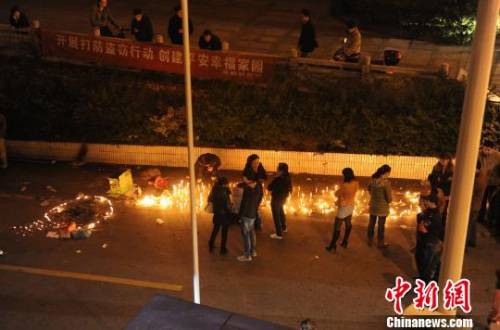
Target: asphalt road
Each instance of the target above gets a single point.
(290, 280)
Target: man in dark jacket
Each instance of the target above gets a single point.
(209, 41)
(252, 197)
(219, 197)
(18, 19)
(307, 39)
(175, 27)
(100, 18)
(430, 232)
(141, 27)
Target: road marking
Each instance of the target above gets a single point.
(90, 277)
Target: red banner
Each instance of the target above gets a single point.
(154, 57)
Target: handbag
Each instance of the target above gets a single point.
(209, 208)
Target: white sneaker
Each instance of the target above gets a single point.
(254, 254)
(285, 230)
(274, 236)
(244, 258)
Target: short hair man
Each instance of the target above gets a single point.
(141, 27)
(175, 31)
(209, 41)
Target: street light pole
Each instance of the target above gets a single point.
(468, 143)
(189, 112)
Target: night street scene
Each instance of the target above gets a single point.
(250, 164)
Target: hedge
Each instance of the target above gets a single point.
(61, 102)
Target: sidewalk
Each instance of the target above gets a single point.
(264, 26)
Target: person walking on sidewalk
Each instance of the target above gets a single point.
(307, 40)
(346, 198)
(380, 198)
(3, 133)
(219, 197)
(255, 172)
(280, 188)
(252, 196)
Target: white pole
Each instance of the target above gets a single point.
(192, 184)
(468, 142)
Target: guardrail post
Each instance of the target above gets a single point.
(225, 46)
(159, 39)
(35, 37)
(445, 70)
(294, 54)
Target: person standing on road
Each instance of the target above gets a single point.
(255, 172)
(480, 182)
(100, 18)
(252, 197)
(175, 31)
(307, 40)
(346, 198)
(141, 27)
(3, 133)
(444, 171)
(280, 188)
(380, 198)
(17, 19)
(428, 248)
(219, 197)
(489, 159)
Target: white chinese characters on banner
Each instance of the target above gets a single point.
(211, 64)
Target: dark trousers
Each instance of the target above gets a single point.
(336, 231)
(427, 257)
(258, 221)
(381, 226)
(484, 205)
(472, 229)
(217, 224)
(278, 216)
(105, 32)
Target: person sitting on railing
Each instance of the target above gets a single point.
(175, 27)
(209, 41)
(141, 27)
(100, 18)
(18, 19)
(351, 46)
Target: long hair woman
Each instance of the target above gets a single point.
(346, 198)
(380, 198)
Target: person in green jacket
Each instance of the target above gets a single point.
(380, 198)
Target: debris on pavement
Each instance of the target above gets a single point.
(23, 189)
(78, 251)
(81, 233)
(159, 221)
(52, 234)
(105, 245)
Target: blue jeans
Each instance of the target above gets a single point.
(248, 235)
